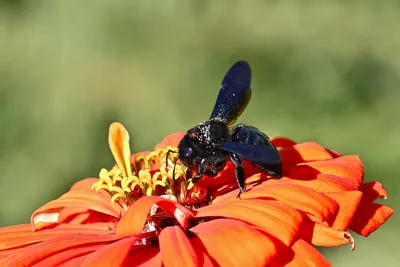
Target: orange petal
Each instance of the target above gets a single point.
(15, 228)
(256, 178)
(145, 256)
(347, 166)
(303, 152)
(321, 182)
(37, 253)
(77, 198)
(176, 249)
(305, 255)
(233, 243)
(369, 217)
(132, 222)
(69, 255)
(321, 235)
(372, 191)
(22, 235)
(114, 254)
(333, 153)
(171, 140)
(78, 215)
(282, 142)
(84, 184)
(277, 219)
(12, 238)
(348, 203)
(5, 253)
(118, 140)
(299, 197)
(77, 261)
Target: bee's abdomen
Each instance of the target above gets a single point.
(249, 135)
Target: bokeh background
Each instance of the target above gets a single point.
(325, 71)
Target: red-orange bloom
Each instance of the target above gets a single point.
(135, 214)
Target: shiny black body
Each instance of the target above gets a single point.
(206, 146)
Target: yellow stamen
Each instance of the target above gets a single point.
(125, 182)
(136, 182)
(190, 185)
(121, 187)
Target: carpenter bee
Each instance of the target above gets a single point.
(205, 147)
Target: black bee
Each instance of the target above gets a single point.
(206, 146)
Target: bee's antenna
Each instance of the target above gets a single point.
(166, 158)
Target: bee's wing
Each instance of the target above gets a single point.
(255, 153)
(234, 93)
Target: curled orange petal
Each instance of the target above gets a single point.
(321, 235)
(80, 215)
(132, 222)
(372, 191)
(47, 214)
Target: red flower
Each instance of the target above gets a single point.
(136, 215)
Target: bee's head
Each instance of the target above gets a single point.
(186, 147)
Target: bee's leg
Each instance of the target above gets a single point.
(239, 172)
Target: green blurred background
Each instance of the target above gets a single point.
(325, 71)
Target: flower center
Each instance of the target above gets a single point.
(152, 175)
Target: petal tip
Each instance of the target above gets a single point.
(351, 241)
